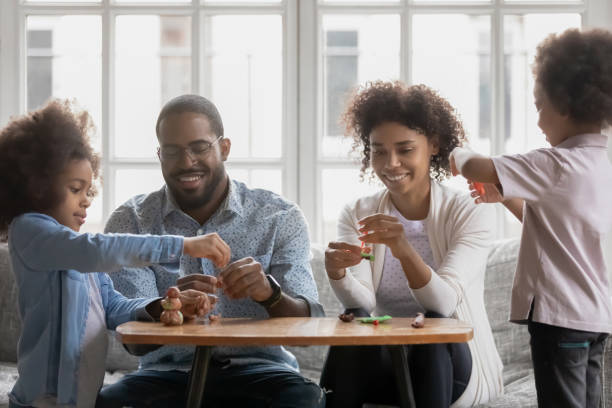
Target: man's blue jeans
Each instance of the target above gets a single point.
(254, 385)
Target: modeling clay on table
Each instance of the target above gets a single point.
(374, 319)
(171, 316)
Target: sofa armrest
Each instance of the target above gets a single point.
(606, 375)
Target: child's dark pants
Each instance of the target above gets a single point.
(567, 366)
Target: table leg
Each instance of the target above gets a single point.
(197, 377)
(399, 356)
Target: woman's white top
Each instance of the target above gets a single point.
(459, 234)
(392, 298)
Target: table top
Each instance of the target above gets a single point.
(295, 331)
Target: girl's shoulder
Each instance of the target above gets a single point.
(32, 221)
(26, 226)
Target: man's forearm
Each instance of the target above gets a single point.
(288, 306)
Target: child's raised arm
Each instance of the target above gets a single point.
(473, 166)
(43, 244)
(481, 169)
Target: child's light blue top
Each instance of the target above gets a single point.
(49, 261)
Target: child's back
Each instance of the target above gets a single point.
(563, 196)
(567, 191)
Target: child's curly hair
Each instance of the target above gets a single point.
(575, 71)
(418, 107)
(34, 150)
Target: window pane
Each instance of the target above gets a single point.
(131, 182)
(246, 79)
(339, 187)
(62, 1)
(241, 1)
(268, 179)
(452, 1)
(360, 1)
(467, 85)
(64, 61)
(352, 55)
(152, 1)
(522, 34)
(153, 64)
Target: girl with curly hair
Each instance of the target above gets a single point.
(562, 196)
(47, 168)
(430, 245)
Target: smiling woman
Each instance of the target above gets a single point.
(430, 246)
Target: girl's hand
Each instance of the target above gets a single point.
(384, 229)
(339, 256)
(209, 246)
(490, 194)
(195, 303)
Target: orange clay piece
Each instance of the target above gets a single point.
(480, 188)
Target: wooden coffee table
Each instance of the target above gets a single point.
(295, 331)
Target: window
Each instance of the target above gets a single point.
(280, 72)
(477, 54)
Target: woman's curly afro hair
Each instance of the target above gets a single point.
(34, 150)
(574, 70)
(417, 107)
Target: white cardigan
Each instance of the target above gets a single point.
(459, 233)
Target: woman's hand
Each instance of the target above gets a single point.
(339, 256)
(387, 230)
(490, 193)
(209, 246)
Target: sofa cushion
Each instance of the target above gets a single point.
(606, 367)
(512, 340)
(312, 358)
(9, 308)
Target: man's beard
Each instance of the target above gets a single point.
(191, 202)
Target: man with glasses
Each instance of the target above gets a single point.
(268, 274)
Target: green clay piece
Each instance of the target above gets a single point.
(365, 255)
(380, 319)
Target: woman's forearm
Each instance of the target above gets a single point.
(416, 270)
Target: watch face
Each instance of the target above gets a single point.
(273, 282)
(276, 292)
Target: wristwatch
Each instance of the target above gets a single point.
(276, 293)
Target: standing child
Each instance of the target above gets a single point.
(562, 194)
(47, 167)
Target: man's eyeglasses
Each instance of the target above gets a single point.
(195, 150)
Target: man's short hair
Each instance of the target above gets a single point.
(195, 104)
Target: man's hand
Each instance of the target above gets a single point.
(203, 283)
(245, 278)
(195, 303)
(339, 256)
(209, 246)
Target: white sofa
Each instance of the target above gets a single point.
(511, 339)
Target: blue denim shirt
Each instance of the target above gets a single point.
(49, 261)
(254, 223)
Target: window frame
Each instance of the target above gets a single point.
(301, 162)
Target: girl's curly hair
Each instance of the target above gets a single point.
(34, 150)
(575, 71)
(417, 107)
